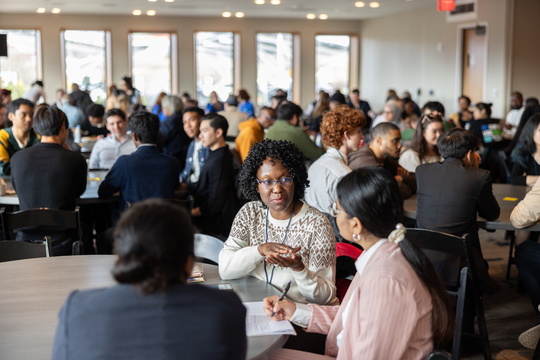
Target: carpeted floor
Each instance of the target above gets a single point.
(508, 312)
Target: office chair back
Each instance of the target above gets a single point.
(207, 248)
(44, 220)
(18, 250)
(433, 242)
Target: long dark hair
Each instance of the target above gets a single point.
(526, 146)
(418, 143)
(372, 195)
(153, 241)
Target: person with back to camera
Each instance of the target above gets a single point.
(277, 237)
(423, 148)
(152, 313)
(396, 306)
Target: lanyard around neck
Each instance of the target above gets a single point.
(269, 281)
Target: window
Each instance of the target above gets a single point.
(151, 63)
(332, 56)
(85, 61)
(22, 66)
(214, 54)
(274, 65)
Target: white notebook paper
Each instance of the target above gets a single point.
(258, 323)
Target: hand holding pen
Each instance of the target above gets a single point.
(279, 308)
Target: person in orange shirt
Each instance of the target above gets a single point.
(252, 131)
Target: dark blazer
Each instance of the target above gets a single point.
(450, 196)
(146, 173)
(185, 322)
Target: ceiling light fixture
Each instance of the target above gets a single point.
(259, 2)
(226, 14)
(275, 2)
(56, 11)
(374, 5)
(152, 0)
(310, 16)
(137, 12)
(239, 14)
(169, 0)
(359, 4)
(323, 16)
(41, 10)
(151, 12)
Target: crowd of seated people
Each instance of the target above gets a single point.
(287, 228)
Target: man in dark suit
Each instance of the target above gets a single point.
(453, 193)
(146, 173)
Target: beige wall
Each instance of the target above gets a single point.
(419, 50)
(120, 26)
(526, 48)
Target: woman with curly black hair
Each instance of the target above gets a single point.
(277, 237)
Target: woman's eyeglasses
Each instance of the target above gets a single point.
(334, 211)
(286, 181)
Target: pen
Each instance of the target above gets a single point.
(283, 294)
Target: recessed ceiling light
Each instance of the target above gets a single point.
(56, 11)
(259, 2)
(359, 4)
(226, 14)
(137, 12)
(41, 10)
(275, 2)
(374, 5)
(311, 16)
(239, 14)
(323, 16)
(152, 0)
(151, 12)
(169, 0)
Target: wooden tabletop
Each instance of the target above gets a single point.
(33, 291)
(508, 196)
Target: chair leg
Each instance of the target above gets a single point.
(481, 318)
(511, 236)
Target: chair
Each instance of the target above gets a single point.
(43, 220)
(451, 245)
(17, 250)
(207, 248)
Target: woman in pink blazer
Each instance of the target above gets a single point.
(396, 306)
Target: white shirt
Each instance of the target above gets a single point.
(194, 177)
(107, 150)
(514, 116)
(409, 160)
(324, 175)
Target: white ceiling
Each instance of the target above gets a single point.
(336, 9)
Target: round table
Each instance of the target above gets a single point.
(34, 290)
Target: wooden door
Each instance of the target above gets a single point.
(474, 60)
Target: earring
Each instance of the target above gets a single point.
(356, 237)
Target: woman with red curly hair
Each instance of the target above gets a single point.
(341, 131)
